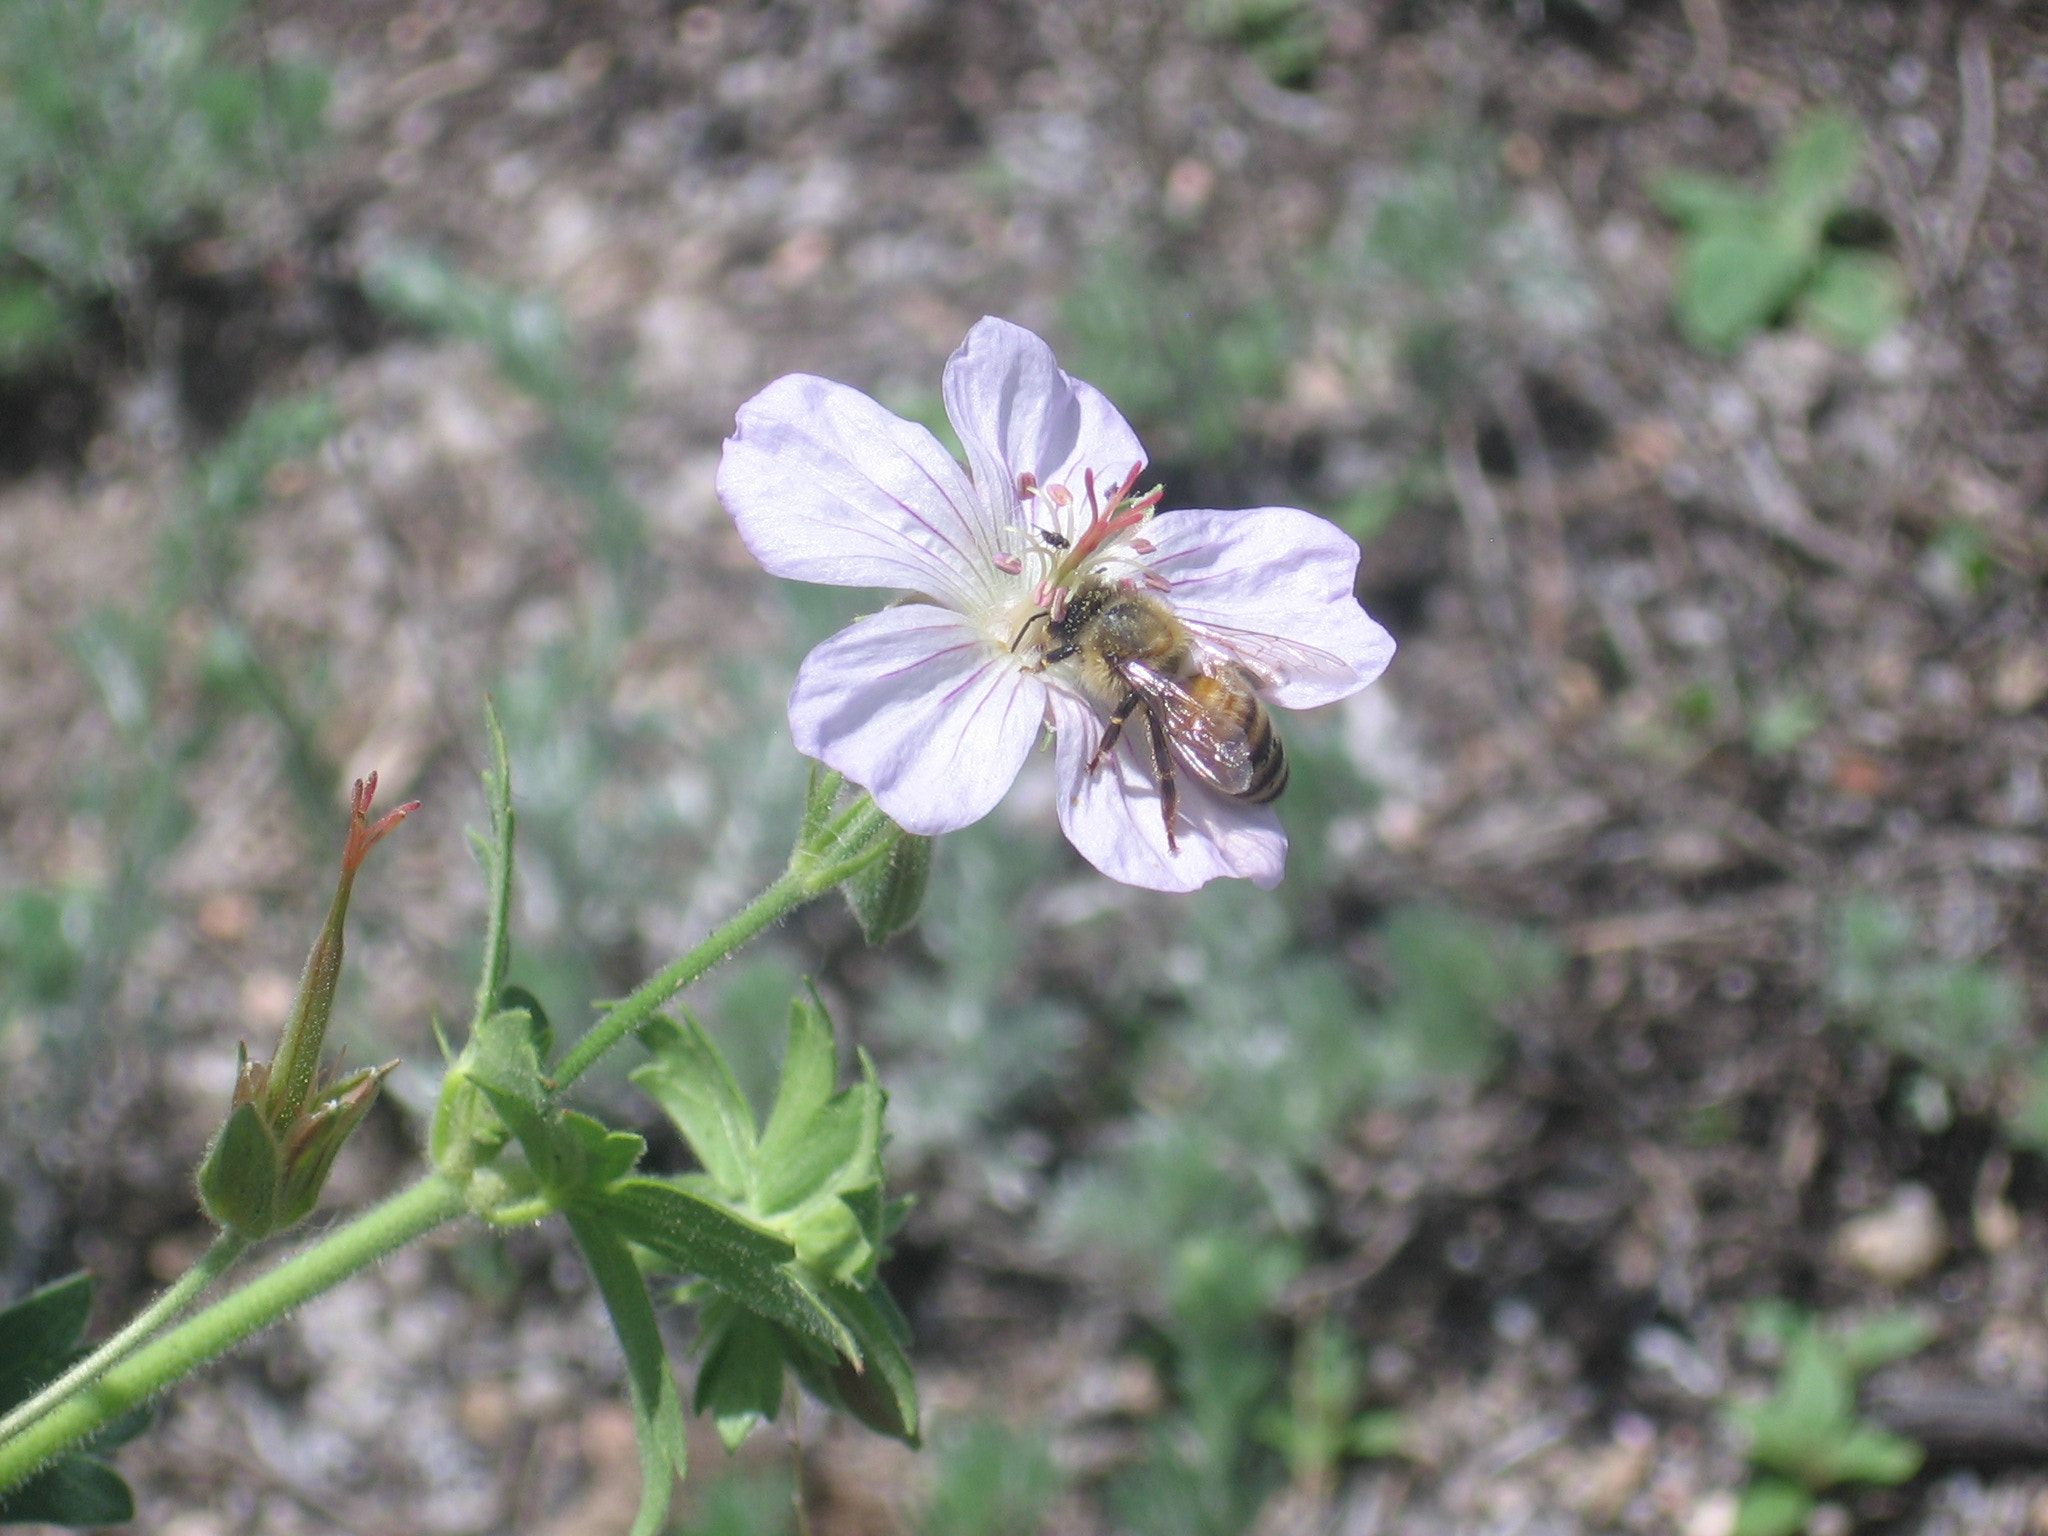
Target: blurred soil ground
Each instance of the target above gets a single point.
(1631, 544)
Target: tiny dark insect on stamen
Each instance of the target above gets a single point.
(1056, 540)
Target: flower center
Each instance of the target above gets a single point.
(1108, 546)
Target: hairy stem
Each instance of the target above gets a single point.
(152, 1366)
(188, 1287)
(824, 856)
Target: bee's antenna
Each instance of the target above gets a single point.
(1025, 628)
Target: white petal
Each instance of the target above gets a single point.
(918, 708)
(1280, 573)
(1017, 413)
(827, 486)
(1113, 817)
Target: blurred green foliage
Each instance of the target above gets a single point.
(123, 126)
(989, 1480)
(1748, 258)
(528, 341)
(62, 954)
(1965, 1021)
(1188, 363)
(1806, 1437)
(1212, 1182)
(1287, 38)
(735, 1503)
(1962, 1019)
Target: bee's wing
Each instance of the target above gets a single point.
(1212, 744)
(1268, 660)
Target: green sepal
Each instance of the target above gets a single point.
(739, 1379)
(520, 999)
(239, 1180)
(317, 1140)
(657, 1409)
(695, 1088)
(503, 1056)
(887, 895)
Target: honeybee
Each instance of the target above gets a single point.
(1129, 651)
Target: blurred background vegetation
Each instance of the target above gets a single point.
(1660, 940)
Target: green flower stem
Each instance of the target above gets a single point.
(212, 1264)
(153, 1366)
(822, 859)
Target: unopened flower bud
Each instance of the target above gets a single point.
(270, 1158)
(888, 894)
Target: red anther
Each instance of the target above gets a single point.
(1143, 547)
(1009, 565)
(1027, 484)
(1061, 496)
(1057, 608)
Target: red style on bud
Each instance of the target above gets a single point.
(268, 1161)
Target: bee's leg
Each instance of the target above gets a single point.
(1115, 731)
(1169, 787)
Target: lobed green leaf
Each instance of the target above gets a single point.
(695, 1088)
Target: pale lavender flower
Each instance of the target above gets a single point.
(933, 704)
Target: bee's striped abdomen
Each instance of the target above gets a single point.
(1269, 758)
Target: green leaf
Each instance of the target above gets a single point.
(876, 1385)
(592, 1153)
(1855, 298)
(1871, 1455)
(739, 1381)
(695, 1088)
(698, 1236)
(31, 323)
(1882, 1339)
(1813, 1406)
(746, 1262)
(1814, 170)
(39, 1335)
(1732, 281)
(657, 1410)
(74, 1490)
(810, 1074)
(1772, 1506)
(1687, 197)
(1380, 1433)
(813, 1134)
